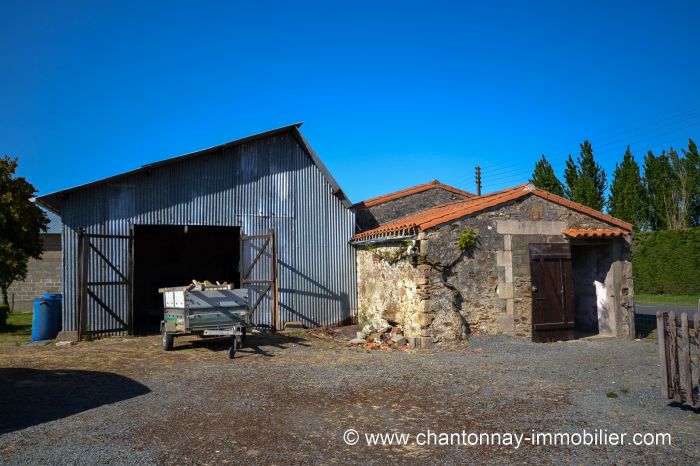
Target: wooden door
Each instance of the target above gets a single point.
(552, 291)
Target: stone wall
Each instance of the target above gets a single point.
(622, 289)
(386, 285)
(43, 276)
(486, 289)
(371, 217)
(493, 281)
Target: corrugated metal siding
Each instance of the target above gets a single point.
(268, 183)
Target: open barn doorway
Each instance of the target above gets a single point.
(174, 255)
(593, 288)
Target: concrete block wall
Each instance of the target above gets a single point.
(43, 276)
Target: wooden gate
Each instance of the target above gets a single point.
(259, 275)
(552, 291)
(679, 351)
(105, 284)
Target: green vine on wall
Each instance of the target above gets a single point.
(467, 239)
(391, 254)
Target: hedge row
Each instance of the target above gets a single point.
(667, 262)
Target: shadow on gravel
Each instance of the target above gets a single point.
(684, 407)
(29, 396)
(254, 344)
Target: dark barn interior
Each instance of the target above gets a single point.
(591, 264)
(174, 255)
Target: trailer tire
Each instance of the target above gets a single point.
(168, 340)
(241, 338)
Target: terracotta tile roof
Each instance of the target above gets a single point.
(446, 213)
(435, 184)
(597, 233)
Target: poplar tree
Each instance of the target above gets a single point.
(570, 177)
(657, 187)
(585, 179)
(692, 160)
(627, 199)
(543, 177)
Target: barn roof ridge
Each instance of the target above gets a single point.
(445, 213)
(51, 201)
(434, 184)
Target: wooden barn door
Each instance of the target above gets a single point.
(552, 292)
(105, 279)
(259, 275)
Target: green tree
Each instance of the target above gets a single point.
(570, 177)
(21, 223)
(585, 179)
(657, 186)
(627, 192)
(692, 160)
(671, 184)
(544, 178)
(680, 203)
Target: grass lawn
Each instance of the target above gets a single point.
(18, 329)
(677, 300)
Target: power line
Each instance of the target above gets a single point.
(519, 176)
(617, 140)
(688, 114)
(560, 159)
(618, 134)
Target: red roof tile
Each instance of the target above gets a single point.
(596, 233)
(435, 184)
(445, 213)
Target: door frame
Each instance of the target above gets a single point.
(89, 290)
(268, 282)
(540, 277)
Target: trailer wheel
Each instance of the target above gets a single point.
(232, 349)
(241, 339)
(168, 340)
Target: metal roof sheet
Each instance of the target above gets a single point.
(52, 201)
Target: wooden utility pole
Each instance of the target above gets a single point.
(478, 181)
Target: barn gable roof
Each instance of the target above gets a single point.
(439, 215)
(435, 184)
(53, 201)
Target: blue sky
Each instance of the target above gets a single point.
(392, 93)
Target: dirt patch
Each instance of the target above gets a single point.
(289, 398)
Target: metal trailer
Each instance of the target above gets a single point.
(207, 310)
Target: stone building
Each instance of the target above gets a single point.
(43, 275)
(530, 264)
(379, 210)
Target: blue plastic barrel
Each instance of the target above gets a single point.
(46, 321)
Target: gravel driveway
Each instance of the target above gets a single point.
(289, 399)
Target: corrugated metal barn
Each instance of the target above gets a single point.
(207, 216)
